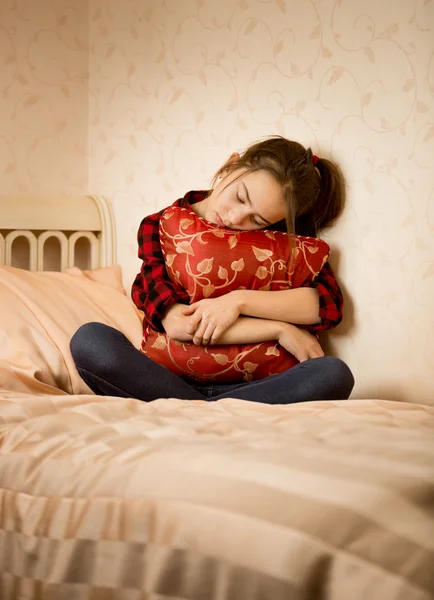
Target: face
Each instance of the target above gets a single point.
(244, 200)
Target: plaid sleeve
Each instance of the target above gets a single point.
(153, 291)
(331, 301)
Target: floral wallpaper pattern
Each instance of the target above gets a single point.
(143, 100)
(44, 101)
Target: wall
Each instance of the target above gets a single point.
(44, 96)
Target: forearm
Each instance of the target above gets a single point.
(245, 330)
(249, 330)
(299, 306)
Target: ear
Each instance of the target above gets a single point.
(234, 157)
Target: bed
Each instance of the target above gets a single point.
(104, 498)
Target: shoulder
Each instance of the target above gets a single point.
(154, 219)
(152, 222)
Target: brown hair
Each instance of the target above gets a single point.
(314, 194)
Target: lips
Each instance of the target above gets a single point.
(219, 220)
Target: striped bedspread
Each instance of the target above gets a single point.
(105, 498)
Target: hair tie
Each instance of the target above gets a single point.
(315, 159)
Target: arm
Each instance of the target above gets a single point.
(209, 318)
(318, 304)
(331, 301)
(153, 292)
(244, 330)
(247, 330)
(299, 306)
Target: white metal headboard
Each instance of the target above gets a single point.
(56, 232)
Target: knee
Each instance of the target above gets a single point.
(340, 377)
(88, 345)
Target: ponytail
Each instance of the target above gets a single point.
(329, 200)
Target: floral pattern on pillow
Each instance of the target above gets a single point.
(209, 261)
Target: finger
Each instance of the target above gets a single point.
(208, 334)
(193, 323)
(302, 356)
(189, 310)
(216, 334)
(199, 333)
(316, 352)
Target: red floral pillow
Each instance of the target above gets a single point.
(209, 261)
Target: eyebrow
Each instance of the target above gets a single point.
(250, 202)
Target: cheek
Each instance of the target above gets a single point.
(222, 201)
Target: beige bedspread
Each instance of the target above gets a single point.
(104, 498)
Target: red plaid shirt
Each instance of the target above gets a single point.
(153, 291)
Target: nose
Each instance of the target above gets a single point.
(237, 217)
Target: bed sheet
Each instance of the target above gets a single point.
(105, 498)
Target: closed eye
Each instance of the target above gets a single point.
(265, 222)
(253, 218)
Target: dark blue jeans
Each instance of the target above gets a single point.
(111, 366)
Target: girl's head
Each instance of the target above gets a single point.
(276, 180)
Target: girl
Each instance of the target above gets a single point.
(274, 184)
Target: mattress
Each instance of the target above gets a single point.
(104, 498)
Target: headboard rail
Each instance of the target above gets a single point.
(54, 233)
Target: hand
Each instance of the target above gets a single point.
(211, 317)
(175, 323)
(299, 342)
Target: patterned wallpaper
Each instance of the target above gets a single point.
(176, 85)
(44, 96)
